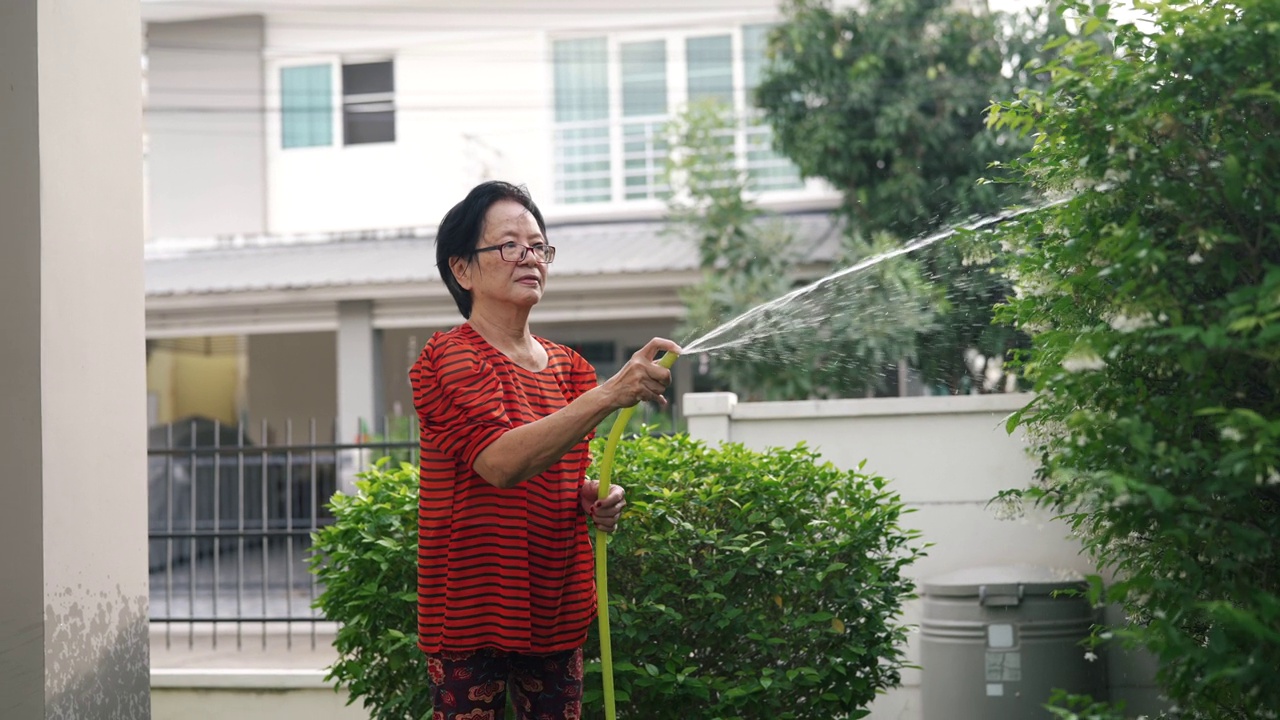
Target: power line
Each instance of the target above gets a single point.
(667, 7)
(639, 20)
(434, 38)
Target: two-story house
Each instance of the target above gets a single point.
(300, 154)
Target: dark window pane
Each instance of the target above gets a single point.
(368, 103)
(364, 126)
(378, 77)
(596, 351)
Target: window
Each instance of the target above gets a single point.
(306, 106)
(582, 120)
(308, 98)
(368, 103)
(766, 168)
(644, 113)
(614, 97)
(602, 354)
(710, 68)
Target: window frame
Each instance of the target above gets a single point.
(677, 70)
(388, 97)
(274, 88)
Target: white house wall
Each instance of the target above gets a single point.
(467, 110)
(206, 172)
(291, 380)
(470, 107)
(473, 96)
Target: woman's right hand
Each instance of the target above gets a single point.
(642, 378)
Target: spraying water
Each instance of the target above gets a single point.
(751, 326)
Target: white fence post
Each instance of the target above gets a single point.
(709, 416)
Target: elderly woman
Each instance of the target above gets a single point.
(506, 590)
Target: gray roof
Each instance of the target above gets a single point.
(621, 248)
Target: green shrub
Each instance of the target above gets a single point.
(753, 585)
(1065, 706)
(366, 561)
(1154, 299)
(746, 585)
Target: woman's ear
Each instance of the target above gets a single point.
(461, 269)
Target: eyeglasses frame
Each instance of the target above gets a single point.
(548, 250)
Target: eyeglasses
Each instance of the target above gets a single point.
(514, 252)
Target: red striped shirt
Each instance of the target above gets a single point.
(507, 569)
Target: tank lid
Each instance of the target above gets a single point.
(1033, 580)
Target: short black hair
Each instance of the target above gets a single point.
(460, 230)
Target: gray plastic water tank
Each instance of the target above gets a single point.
(995, 642)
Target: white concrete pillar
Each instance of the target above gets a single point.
(73, 517)
(682, 383)
(709, 416)
(359, 387)
(358, 371)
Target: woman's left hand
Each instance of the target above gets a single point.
(604, 512)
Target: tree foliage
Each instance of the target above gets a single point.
(1153, 297)
(886, 102)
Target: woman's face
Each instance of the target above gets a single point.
(492, 280)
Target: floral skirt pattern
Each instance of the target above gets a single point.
(473, 685)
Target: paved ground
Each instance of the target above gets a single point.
(244, 585)
(236, 583)
(277, 648)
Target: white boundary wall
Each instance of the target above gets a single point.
(947, 457)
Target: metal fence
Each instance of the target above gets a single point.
(230, 523)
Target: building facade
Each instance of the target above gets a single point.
(299, 156)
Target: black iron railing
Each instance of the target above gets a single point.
(230, 523)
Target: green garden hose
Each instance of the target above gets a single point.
(602, 561)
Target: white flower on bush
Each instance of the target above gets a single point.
(1032, 327)
(1231, 434)
(1008, 507)
(1082, 358)
(1090, 656)
(1116, 176)
(1195, 258)
(1029, 287)
(1121, 322)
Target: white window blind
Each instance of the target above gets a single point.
(644, 112)
(617, 152)
(582, 145)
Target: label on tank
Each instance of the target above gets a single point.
(1004, 666)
